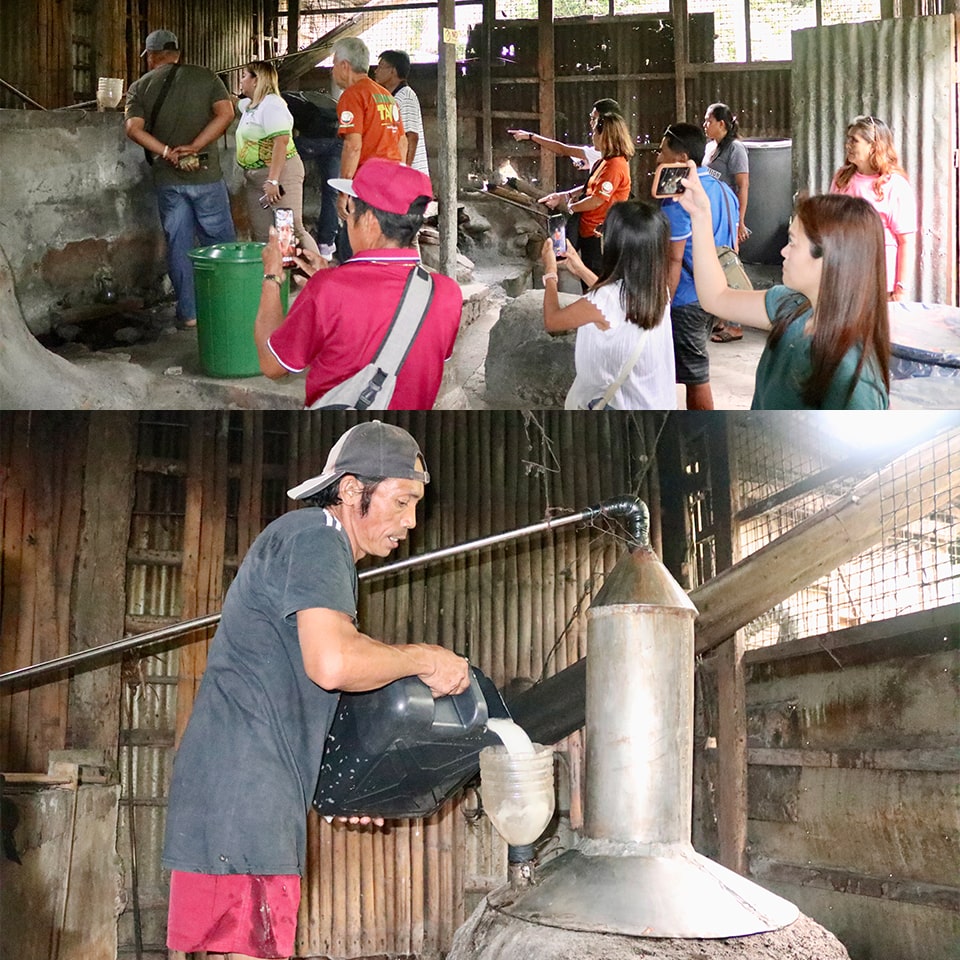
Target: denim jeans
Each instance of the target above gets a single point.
(192, 215)
(321, 158)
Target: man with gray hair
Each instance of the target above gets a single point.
(370, 123)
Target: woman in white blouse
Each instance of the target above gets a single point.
(623, 321)
(267, 155)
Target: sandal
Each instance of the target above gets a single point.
(725, 336)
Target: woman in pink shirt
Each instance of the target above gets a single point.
(873, 172)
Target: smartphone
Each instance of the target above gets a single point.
(666, 179)
(265, 200)
(283, 221)
(557, 225)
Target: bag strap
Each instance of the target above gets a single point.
(624, 371)
(404, 327)
(158, 103)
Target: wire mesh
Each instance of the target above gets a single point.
(790, 470)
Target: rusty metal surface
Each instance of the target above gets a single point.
(903, 71)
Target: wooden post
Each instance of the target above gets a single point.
(731, 685)
(486, 97)
(99, 588)
(446, 163)
(293, 25)
(547, 92)
(681, 54)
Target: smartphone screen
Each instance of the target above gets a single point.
(283, 221)
(666, 179)
(557, 225)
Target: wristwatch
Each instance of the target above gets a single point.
(276, 183)
(274, 277)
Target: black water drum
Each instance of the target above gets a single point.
(770, 203)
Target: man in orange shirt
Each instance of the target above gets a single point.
(370, 123)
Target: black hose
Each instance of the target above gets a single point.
(632, 509)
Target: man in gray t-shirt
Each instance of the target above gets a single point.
(177, 112)
(286, 646)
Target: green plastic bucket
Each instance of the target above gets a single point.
(228, 278)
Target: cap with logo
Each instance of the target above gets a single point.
(386, 185)
(160, 40)
(372, 449)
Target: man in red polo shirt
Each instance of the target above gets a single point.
(341, 316)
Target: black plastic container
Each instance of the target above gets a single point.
(397, 752)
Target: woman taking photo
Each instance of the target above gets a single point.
(624, 346)
(272, 168)
(873, 172)
(727, 157)
(609, 183)
(829, 343)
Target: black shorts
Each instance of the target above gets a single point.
(692, 326)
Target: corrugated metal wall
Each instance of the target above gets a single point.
(905, 72)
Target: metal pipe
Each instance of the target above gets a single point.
(634, 510)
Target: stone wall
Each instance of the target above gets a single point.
(76, 207)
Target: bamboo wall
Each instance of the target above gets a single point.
(38, 38)
(203, 485)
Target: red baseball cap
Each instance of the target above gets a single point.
(386, 185)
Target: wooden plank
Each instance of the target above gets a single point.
(929, 759)
(846, 881)
(100, 582)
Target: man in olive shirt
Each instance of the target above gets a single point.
(179, 138)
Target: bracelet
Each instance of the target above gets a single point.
(530, 136)
(274, 277)
(549, 276)
(166, 150)
(899, 285)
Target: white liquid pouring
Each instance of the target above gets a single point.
(514, 738)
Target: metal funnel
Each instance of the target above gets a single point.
(635, 871)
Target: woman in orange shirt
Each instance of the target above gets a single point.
(609, 183)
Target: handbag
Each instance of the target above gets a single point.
(737, 278)
(371, 387)
(600, 403)
(155, 112)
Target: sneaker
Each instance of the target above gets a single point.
(327, 251)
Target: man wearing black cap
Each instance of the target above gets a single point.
(176, 112)
(287, 644)
(339, 320)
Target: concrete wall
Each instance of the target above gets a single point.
(76, 203)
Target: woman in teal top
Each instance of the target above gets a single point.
(829, 343)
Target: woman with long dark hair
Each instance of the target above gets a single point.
(829, 343)
(623, 321)
(727, 158)
(873, 172)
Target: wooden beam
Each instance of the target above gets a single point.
(906, 487)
